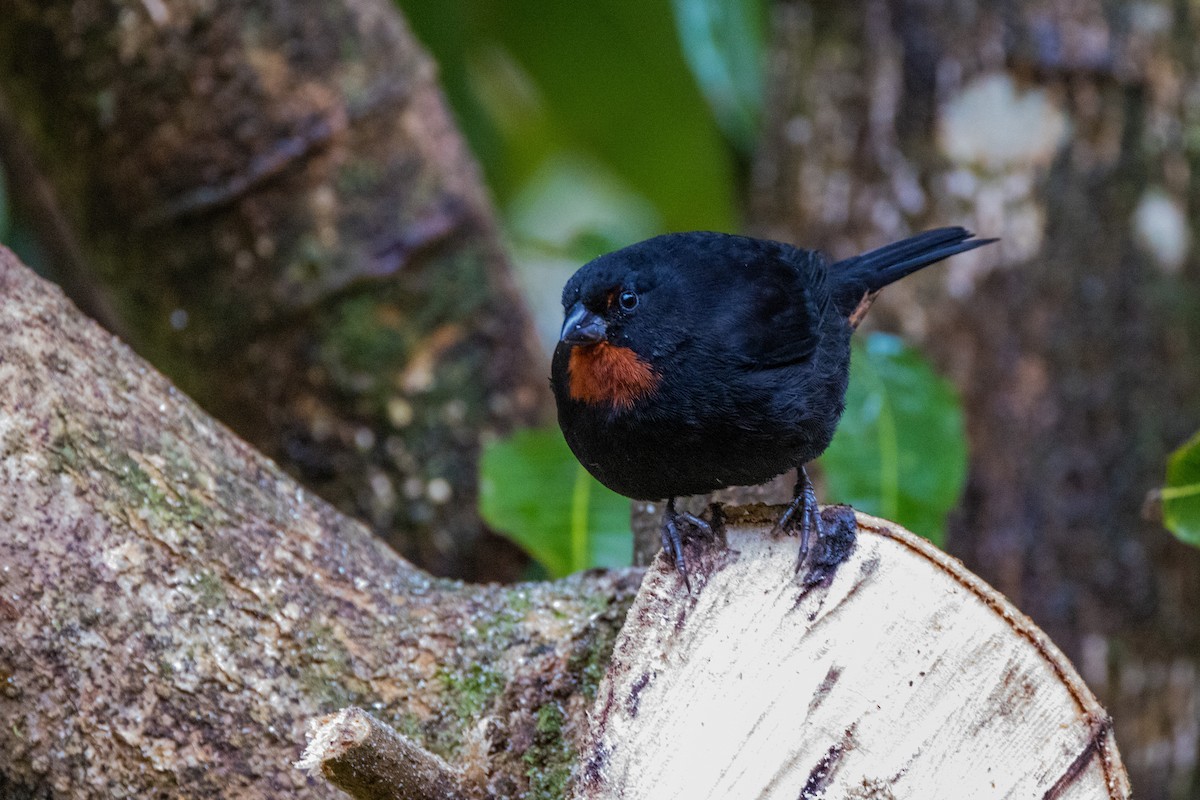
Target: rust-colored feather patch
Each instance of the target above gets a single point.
(605, 373)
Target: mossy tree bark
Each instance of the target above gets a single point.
(174, 608)
(1068, 130)
(273, 200)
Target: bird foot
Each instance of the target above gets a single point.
(672, 532)
(827, 535)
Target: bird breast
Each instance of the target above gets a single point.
(604, 373)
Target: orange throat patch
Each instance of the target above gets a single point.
(605, 373)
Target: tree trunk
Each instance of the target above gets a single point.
(174, 608)
(274, 200)
(1066, 129)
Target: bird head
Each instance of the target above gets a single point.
(651, 312)
(609, 331)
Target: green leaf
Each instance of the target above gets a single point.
(533, 490)
(1181, 495)
(723, 44)
(900, 451)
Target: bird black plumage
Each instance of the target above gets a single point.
(695, 361)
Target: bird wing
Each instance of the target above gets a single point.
(781, 309)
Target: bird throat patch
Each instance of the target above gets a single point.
(605, 373)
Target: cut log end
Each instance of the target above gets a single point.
(904, 675)
(370, 761)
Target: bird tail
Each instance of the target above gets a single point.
(861, 275)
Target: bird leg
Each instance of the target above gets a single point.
(801, 513)
(828, 535)
(672, 536)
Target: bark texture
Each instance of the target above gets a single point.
(274, 201)
(1068, 129)
(174, 608)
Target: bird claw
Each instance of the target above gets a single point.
(672, 537)
(826, 536)
(701, 527)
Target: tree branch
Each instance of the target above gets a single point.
(174, 608)
(370, 761)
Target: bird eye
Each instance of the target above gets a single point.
(628, 301)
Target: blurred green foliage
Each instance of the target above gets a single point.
(603, 82)
(532, 488)
(900, 451)
(723, 42)
(1181, 495)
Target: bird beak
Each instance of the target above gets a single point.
(582, 327)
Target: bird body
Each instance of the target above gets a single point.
(694, 361)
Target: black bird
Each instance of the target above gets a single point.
(694, 361)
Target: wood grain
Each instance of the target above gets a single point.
(905, 676)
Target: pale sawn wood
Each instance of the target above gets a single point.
(905, 677)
